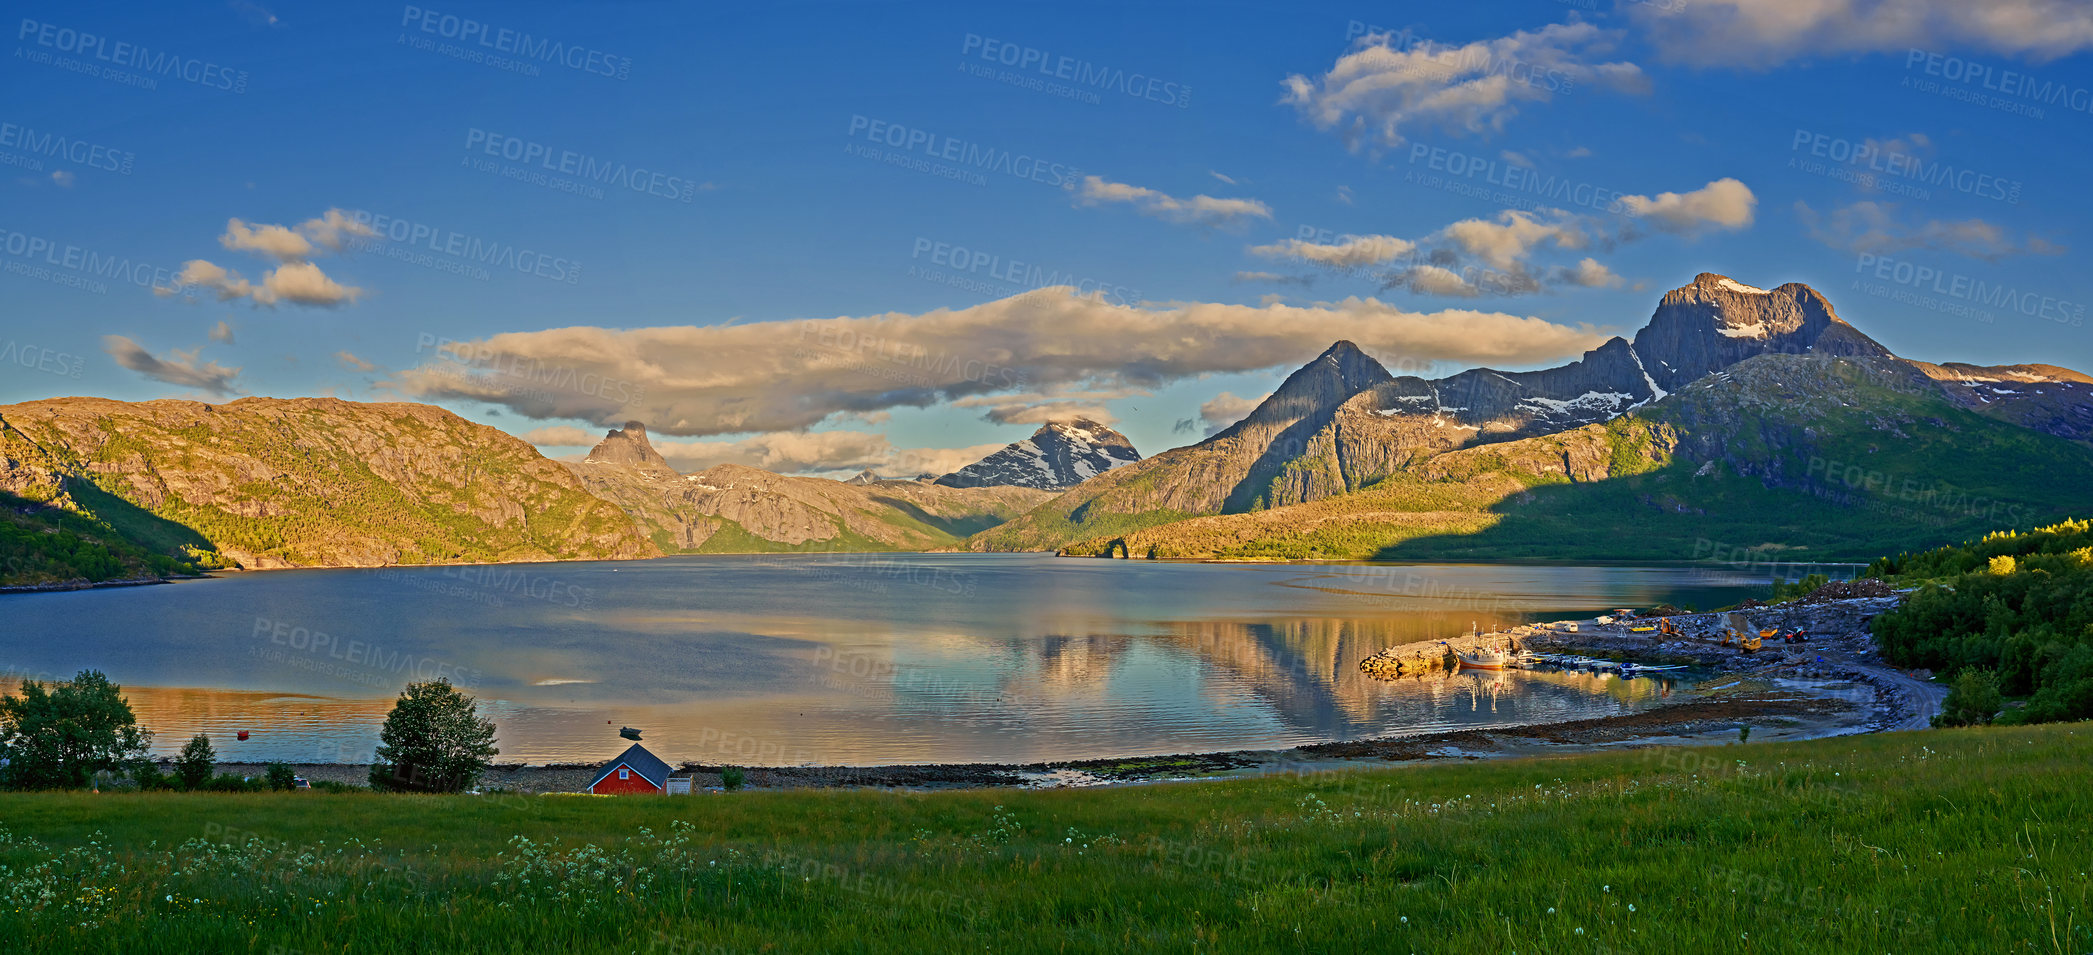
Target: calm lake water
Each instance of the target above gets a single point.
(834, 659)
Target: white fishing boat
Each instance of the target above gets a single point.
(1484, 658)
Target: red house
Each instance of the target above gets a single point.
(634, 771)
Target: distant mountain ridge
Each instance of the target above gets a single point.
(731, 508)
(1342, 424)
(1061, 454)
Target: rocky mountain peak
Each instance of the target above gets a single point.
(628, 446)
(1315, 390)
(1061, 454)
(1718, 321)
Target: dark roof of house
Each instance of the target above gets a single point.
(649, 766)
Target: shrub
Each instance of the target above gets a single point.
(1801, 588)
(2017, 606)
(732, 778)
(196, 763)
(433, 741)
(281, 777)
(229, 783)
(1973, 699)
(57, 736)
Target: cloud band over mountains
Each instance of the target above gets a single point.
(695, 381)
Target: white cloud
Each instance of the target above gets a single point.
(1763, 34)
(179, 368)
(821, 452)
(1350, 252)
(1590, 273)
(562, 436)
(353, 363)
(277, 242)
(1722, 204)
(299, 283)
(295, 279)
(1516, 158)
(1275, 278)
(786, 376)
(1045, 412)
(1876, 227)
(1344, 194)
(1435, 280)
(1373, 93)
(1506, 241)
(222, 333)
(330, 231)
(1199, 210)
(64, 178)
(1221, 176)
(1225, 409)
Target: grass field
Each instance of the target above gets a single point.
(1944, 841)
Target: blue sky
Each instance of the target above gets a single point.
(791, 188)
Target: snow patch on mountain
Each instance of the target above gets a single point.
(1061, 454)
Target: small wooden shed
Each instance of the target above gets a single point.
(634, 771)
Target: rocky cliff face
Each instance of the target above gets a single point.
(1059, 455)
(316, 482)
(629, 446)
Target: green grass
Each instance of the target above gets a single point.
(1945, 841)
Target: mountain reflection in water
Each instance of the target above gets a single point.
(861, 659)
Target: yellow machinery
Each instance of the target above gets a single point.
(1739, 633)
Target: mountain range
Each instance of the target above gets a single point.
(732, 508)
(1729, 381)
(1741, 421)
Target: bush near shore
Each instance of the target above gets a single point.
(1950, 841)
(2010, 615)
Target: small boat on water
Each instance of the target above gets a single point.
(1485, 659)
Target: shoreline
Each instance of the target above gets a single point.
(1831, 686)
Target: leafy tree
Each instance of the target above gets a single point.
(57, 736)
(433, 741)
(196, 763)
(1972, 700)
(281, 776)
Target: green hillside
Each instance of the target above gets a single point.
(1782, 457)
(294, 483)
